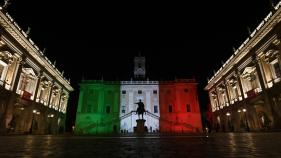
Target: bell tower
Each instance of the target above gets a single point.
(139, 67)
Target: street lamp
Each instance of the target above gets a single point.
(50, 122)
(228, 120)
(247, 126)
(33, 113)
(31, 126)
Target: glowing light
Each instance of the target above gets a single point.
(244, 110)
(227, 114)
(239, 111)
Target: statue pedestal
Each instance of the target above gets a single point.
(140, 126)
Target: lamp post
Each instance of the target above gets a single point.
(31, 126)
(247, 126)
(33, 114)
(229, 121)
(50, 123)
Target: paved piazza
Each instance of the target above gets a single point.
(216, 145)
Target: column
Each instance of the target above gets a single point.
(100, 107)
(259, 72)
(51, 93)
(116, 102)
(148, 101)
(37, 85)
(61, 92)
(239, 83)
(226, 90)
(217, 95)
(279, 50)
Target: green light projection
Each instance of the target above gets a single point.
(98, 108)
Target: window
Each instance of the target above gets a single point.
(91, 91)
(123, 92)
(139, 92)
(123, 109)
(155, 109)
(139, 65)
(170, 108)
(3, 68)
(277, 70)
(187, 108)
(107, 109)
(154, 91)
(1, 71)
(89, 108)
(185, 90)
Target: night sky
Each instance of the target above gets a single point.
(91, 40)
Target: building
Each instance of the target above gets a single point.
(33, 92)
(98, 107)
(106, 107)
(245, 93)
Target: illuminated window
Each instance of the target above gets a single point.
(185, 90)
(107, 109)
(123, 109)
(170, 109)
(187, 108)
(139, 92)
(123, 92)
(154, 91)
(155, 109)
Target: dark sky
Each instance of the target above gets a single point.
(178, 39)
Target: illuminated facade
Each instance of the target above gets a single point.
(131, 93)
(98, 107)
(179, 106)
(172, 106)
(245, 93)
(33, 93)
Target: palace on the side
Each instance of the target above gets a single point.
(33, 92)
(245, 93)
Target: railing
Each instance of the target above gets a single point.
(146, 112)
(152, 115)
(126, 115)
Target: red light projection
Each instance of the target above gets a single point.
(179, 107)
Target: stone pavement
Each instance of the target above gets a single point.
(153, 146)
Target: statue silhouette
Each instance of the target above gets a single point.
(140, 109)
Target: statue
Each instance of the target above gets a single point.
(6, 3)
(140, 109)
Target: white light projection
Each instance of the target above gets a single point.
(130, 93)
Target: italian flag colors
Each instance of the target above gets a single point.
(106, 107)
